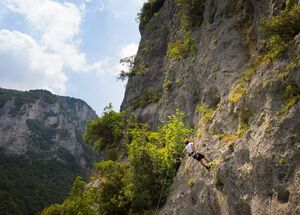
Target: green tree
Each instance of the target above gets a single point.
(111, 197)
(105, 130)
(131, 186)
(154, 156)
(148, 10)
(109, 133)
(81, 201)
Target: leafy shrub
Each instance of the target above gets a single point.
(148, 10)
(132, 186)
(167, 85)
(107, 130)
(151, 156)
(110, 197)
(207, 113)
(79, 201)
(280, 30)
(191, 182)
(244, 122)
(148, 96)
(134, 68)
(181, 49)
(192, 12)
(237, 93)
(240, 89)
(290, 98)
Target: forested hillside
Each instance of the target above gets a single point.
(41, 149)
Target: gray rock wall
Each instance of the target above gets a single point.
(254, 141)
(41, 123)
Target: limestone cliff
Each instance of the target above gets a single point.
(40, 122)
(242, 102)
(41, 148)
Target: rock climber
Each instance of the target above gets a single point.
(190, 148)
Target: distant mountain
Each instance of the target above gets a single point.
(41, 148)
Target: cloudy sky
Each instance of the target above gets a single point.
(70, 47)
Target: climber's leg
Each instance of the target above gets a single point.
(198, 156)
(207, 167)
(206, 159)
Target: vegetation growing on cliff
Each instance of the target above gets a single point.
(132, 186)
(291, 96)
(79, 201)
(190, 14)
(280, 30)
(149, 95)
(148, 10)
(240, 89)
(134, 67)
(106, 132)
(41, 135)
(182, 48)
(20, 98)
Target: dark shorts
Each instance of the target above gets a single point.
(198, 156)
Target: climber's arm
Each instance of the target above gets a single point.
(193, 147)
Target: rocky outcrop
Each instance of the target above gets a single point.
(41, 149)
(252, 132)
(41, 123)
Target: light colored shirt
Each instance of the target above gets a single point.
(189, 147)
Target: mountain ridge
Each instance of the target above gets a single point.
(42, 149)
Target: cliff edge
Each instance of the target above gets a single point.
(230, 68)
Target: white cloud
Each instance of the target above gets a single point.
(112, 66)
(26, 65)
(39, 60)
(59, 24)
(126, 51)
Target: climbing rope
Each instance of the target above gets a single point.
(162, 190)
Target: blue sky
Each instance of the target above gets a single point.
(70, 47)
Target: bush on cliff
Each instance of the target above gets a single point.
(107, 131)
(132, 186)
(148, 10)
(280, 30)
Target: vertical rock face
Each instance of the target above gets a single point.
(41, 148)
(253, 132)
(41, 123)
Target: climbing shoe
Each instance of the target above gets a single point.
(208, 168)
